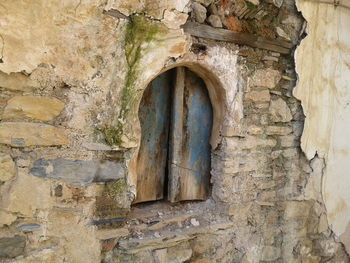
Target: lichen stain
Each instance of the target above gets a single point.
(178, 48)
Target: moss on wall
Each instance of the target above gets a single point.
(114, 189)
(139, 32)
(114, 200)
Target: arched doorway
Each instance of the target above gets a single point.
(176, 118)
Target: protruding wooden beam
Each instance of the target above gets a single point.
(205, 31)
(115, 13)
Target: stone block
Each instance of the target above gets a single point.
(312, 259)
(267, 78)
(160, 255)
(280, 111)
(215, 21)
(255, 130)
(26, 188)
(202, 244)
(262, 106)
(36, 108)
(249, 142)
(290, 153)
(278, 130)
(200, 12)
(266, 184)
(276, 154)
(23, 162)
(205, 2)
(6, 218)
(282, 33)
(268, 196)
(93, 146)
(11, 247)
(78, 172)
(258, 96)
(179, 254)
(22, 134)
(104, 234)
(174, 19)
(270, 253)
(288, 141)
(7, 167)
(29, 228)
(14, 81)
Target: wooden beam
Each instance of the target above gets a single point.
(115, 13)
(205, 31)
(176, 135)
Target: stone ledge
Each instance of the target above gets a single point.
(36, 108)
(23, 134)
(77, 172)
(11, 247)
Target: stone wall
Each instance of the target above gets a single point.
(72, 76)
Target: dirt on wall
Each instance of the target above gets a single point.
(72, 77)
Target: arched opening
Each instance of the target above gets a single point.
(176, 118)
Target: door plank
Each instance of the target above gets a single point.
(192, 124)
(152, 158)
(176, 127)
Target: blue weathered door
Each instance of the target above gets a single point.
(188, 163)
(191, 125)
(152, 158)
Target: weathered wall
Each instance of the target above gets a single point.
(322, 63)
(71, 79)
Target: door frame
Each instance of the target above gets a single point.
(217, 96)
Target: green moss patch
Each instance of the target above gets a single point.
(139, 32)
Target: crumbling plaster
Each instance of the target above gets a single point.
(74, 52)
(323, 67)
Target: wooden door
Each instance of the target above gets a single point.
(190, 124)
(152, 158)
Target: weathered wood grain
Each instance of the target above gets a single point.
(154, 118)
(115, 13)
(176, 135)
(190, 148)
(205, 31)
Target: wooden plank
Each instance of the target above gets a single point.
(115, 13)
(196, 150)
(176, 130)
(192, 124)
(205, 31)
(152, 158)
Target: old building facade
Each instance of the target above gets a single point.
(81, 179)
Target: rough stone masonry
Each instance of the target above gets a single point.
(72, 75)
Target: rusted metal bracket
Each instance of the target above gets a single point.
(205, 31)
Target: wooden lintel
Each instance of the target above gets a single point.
(205, 31)
(115, 13)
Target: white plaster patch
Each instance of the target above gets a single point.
(322, 63)
(223, 63)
